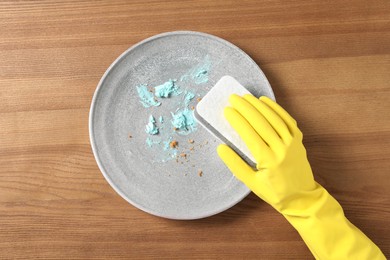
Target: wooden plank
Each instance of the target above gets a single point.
(328, 64)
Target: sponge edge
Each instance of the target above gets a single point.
(209, 113)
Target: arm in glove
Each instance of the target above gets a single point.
(283, 178)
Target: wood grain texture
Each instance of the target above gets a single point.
(328, 63)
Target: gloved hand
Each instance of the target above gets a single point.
(284, 179)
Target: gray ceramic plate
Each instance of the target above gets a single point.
(171, 189)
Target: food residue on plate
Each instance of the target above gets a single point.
(173, 144)
(182, 92)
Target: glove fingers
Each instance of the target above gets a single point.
(274, 119)
(253, 141)
(290, 122)
(256, 120)
(236, 165)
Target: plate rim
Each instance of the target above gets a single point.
(92, 110)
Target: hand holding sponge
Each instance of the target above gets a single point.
(284, 179)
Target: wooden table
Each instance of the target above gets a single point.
(329, 65)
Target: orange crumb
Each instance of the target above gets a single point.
(175, 128)
(198, 99)
(173, 144)
(191, 141)
(200, 173)
(192, 108)
(183, 155)
(130, 136)
(192, 148)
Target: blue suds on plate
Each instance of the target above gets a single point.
(150, 142)
(188, 97)
(147, 98)
(151, 127)
(161, 138)
(200, 73)
(183, 121)
(167, 89)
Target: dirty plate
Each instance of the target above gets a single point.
(186, 182)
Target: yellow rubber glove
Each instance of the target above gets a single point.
(284, 179)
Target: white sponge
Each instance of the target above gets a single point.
(209, 113)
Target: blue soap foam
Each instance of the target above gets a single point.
(183, 120)
(146, 97)
(188, 97)
(167, 89)
(151, 127)
(150, 142)
(199, 73)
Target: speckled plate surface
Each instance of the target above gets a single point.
(151, 178)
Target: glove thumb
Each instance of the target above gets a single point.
(240, 169)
